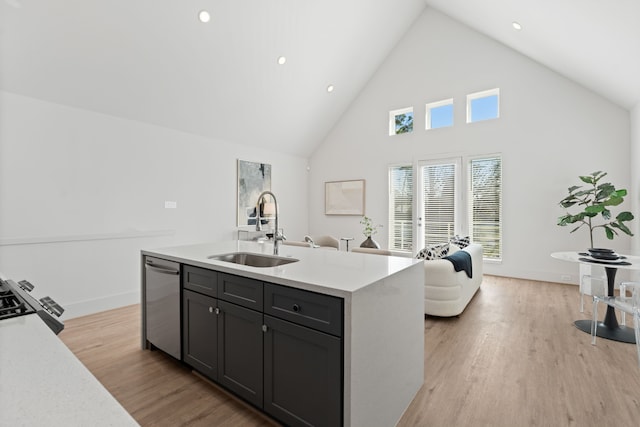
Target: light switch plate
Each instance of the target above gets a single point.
(170, 205)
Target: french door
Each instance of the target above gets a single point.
(438, 198)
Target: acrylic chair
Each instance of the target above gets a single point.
(625, 304)
(587, 278)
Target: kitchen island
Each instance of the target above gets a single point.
(380, 331)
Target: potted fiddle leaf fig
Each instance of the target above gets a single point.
(595, 201)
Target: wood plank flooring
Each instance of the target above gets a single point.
(513, 358)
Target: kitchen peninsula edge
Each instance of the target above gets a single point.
(383, 363)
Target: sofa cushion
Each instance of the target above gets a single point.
(461, 241)
(431, 252)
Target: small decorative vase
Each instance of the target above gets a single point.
(370, 243)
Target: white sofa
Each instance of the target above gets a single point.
(446, 291)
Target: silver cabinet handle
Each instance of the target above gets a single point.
(210, 309)
(217, 310)
(265, 328)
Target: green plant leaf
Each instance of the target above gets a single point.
(574, 188)
(586, 179)
(583, 193)
(624, 216)
(622, 227)
(609, 232)
(606, 214)
(594, 209)
(567, 204)
(613, 201)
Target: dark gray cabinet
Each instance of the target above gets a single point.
(302, 375)
(200, 332)
(277, 347)
(240, 341)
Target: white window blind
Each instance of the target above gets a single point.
(485, 205)
(401, 208)
(439, 195)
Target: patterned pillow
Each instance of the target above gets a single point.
(462, 242)
(434, 252)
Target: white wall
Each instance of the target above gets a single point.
(550, 131)
(634, 191)
(70, 174)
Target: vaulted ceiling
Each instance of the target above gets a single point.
(153, 61)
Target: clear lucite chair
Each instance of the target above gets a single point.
(623, 303)
(588, 275)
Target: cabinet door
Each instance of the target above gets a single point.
(302, 374)
(200, 332)
(240, 339)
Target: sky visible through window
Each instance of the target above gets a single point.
(441, 116)
(484, 108)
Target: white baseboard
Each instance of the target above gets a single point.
(83, 308)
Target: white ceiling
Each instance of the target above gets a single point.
(593, 42)
(153, 61)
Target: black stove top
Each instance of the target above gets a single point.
(11, 303)
(15, 300)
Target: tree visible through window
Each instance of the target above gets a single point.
(401, 121)
(401, 208)
(485, 207)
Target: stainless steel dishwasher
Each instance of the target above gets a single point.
(162, 305)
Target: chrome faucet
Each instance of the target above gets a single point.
(277, 237)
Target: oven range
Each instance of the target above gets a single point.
(16, 300)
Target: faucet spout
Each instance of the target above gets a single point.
(277, 237)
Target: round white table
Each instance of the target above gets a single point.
(609, 328)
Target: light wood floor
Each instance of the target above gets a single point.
(513, 358)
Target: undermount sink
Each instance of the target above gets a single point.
(253, 260)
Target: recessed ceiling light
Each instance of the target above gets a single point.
(204, 16)
(516, 25)
(330, 88)
(282, 60)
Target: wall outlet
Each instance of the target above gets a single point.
(565, 277)
(170, 205)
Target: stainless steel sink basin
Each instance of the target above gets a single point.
(253, 260)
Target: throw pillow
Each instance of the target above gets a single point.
(430, 252)
(463, 242)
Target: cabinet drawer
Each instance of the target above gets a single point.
(240, 290)
(200, 280)
(317, 311)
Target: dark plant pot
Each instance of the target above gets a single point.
(370, 243)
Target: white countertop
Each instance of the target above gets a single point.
(42, 383)
(336, 273)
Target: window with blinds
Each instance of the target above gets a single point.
(439, 202)
(485, 205)
(401, 208)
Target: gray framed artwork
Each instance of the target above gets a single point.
(344, 197)
(253, 179)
